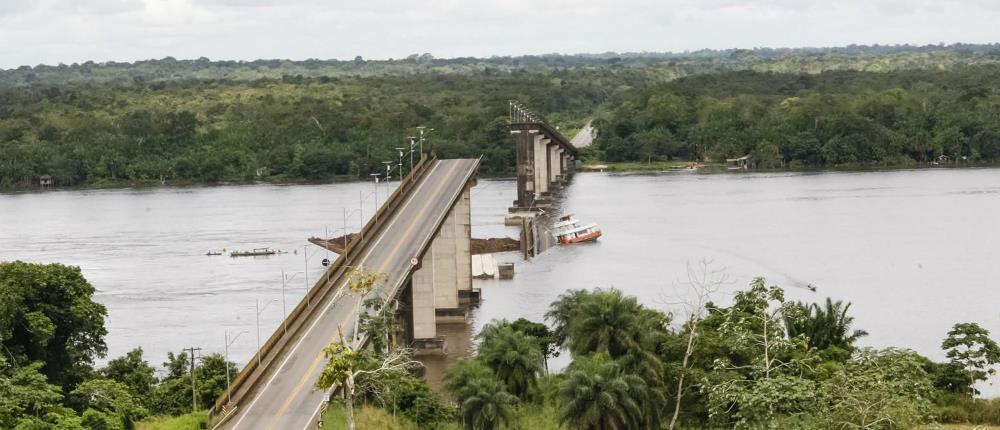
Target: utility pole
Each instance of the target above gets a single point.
(413, 142)
(400, 162)
(229, 393)
(194, 393)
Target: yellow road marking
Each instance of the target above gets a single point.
(392, 255)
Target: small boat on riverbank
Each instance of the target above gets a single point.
(211, 252)
(256, 252)
(569, 230)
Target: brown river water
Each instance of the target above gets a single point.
(915, 251)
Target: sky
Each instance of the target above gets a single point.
(66, 31)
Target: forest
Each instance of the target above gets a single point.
(183, 122)
(758, 361)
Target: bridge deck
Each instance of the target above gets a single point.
(286, 398)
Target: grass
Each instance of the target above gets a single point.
(967, 427)
(365, 417)
(192, 421)
(535, 417)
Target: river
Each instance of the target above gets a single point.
(915, 251)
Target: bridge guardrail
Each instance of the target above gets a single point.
(246, 380)
(362, 338)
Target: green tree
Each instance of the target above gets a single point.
(822, 327)
(969, 346)
(173, 394)
(596, 394)
(607, 321)
(462, 373)
(485, 404)
(514, 357)
(345, 365)
(135, 372)
(542, 335)
(47, 314)
(877, 389)
(26, 397)
(110, 399)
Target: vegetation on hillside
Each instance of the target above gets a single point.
(829, 119)
(178, 122)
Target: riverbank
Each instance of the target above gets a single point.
(714, 167)
(602, 166)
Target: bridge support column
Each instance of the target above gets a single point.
(444, 278)
(541, 166)
(555, 162)
(525, 140)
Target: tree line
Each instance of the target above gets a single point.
(170, 124)
(836, 118)
(270, 130)
(761, 362)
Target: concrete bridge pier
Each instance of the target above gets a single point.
(541, 166)
(525, 142)
(555, 165)
(545, 160)
(442, 282)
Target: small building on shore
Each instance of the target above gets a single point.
(742, 163)
(45, 181)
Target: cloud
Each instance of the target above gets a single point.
(53, 31)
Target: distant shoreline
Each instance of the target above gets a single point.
(611, 167)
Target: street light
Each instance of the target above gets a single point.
(364, 196)
(229, 393)
(361, 221)
(388, 171)
(259, 311)
(422, 129)
(413, 143)
(375, 181)
(400, 162)
(284, 309)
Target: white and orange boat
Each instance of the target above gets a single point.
(568, 230)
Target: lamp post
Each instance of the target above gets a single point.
(375, 181)
(229, 393)
(305, 272)
(413, 143)
(400, 162)
(422, 129)
(284, 309)
(388, 171)
(260, 309)
(361, 221)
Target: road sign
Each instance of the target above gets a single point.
(326, 262)
(414, 261)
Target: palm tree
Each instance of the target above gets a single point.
(561, 313)
(460, 376)
(606, 321)
(823, 327)
(597, 395)
(514, 357)
(485, 404)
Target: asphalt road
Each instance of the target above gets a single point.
(286, 398)
(584, 137)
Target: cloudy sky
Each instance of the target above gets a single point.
(52, 31)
